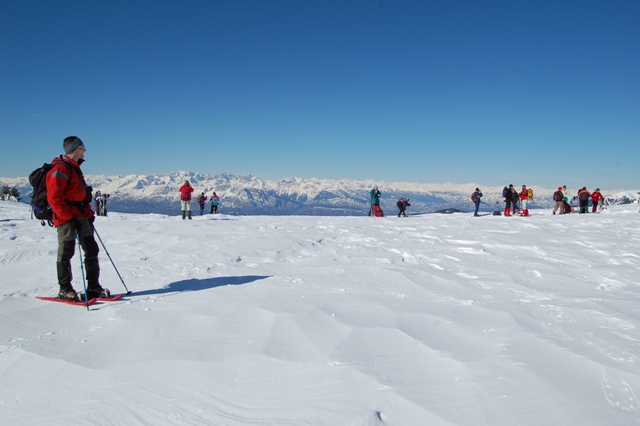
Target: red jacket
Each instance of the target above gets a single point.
(524, 194)
(596, 196)
(185, 192)
(67, 192)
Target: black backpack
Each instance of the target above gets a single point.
(40, 207)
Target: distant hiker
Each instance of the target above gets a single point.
(374, 196)
(515, 197)
(201, 201)
(101, 203)
(506, 194)
(524, 198)
(70, 200)
(596, 198)
(568, 208)
(402, 204)
(105, 197)
(475, 197)
(583, 197)
(215, 202)
(185, 198)
(558, 197)
(97, 200)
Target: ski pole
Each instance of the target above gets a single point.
(114, 265)
(84, 282)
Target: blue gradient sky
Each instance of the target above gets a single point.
(494, 92)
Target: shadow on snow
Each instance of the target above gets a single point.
(197, 285)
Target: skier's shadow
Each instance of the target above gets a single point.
(197, 285)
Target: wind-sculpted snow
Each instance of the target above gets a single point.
(299, 320)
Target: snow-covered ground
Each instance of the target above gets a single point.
(428, 320)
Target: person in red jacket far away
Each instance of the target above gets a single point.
(596, 199)
(524, 197)
(185, 198)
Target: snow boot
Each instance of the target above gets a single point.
(189, 214)
(97, 291)
(507, 211)
(67, 293)
(183, 214)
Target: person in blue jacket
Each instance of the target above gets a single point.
(374, 196)
(475, 197)
(215, 202)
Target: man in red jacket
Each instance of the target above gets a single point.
(70, 200)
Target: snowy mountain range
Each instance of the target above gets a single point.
(251, 195)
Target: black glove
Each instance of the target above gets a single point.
(92, 219)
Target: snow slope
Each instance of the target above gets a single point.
(304, 320)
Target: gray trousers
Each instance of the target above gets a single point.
(67, 234)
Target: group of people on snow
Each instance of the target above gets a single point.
(516, 202)
(185, 200)
(562, 198)
(375, 210)
(563, 201)
(403, 203)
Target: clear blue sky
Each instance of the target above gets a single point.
(495, 92)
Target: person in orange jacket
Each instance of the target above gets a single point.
(70, 200)
(596, 198)
(583, 198)
(524, 197)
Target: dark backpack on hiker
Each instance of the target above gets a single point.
(505, 191)
(474, 197)
(40, 207)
